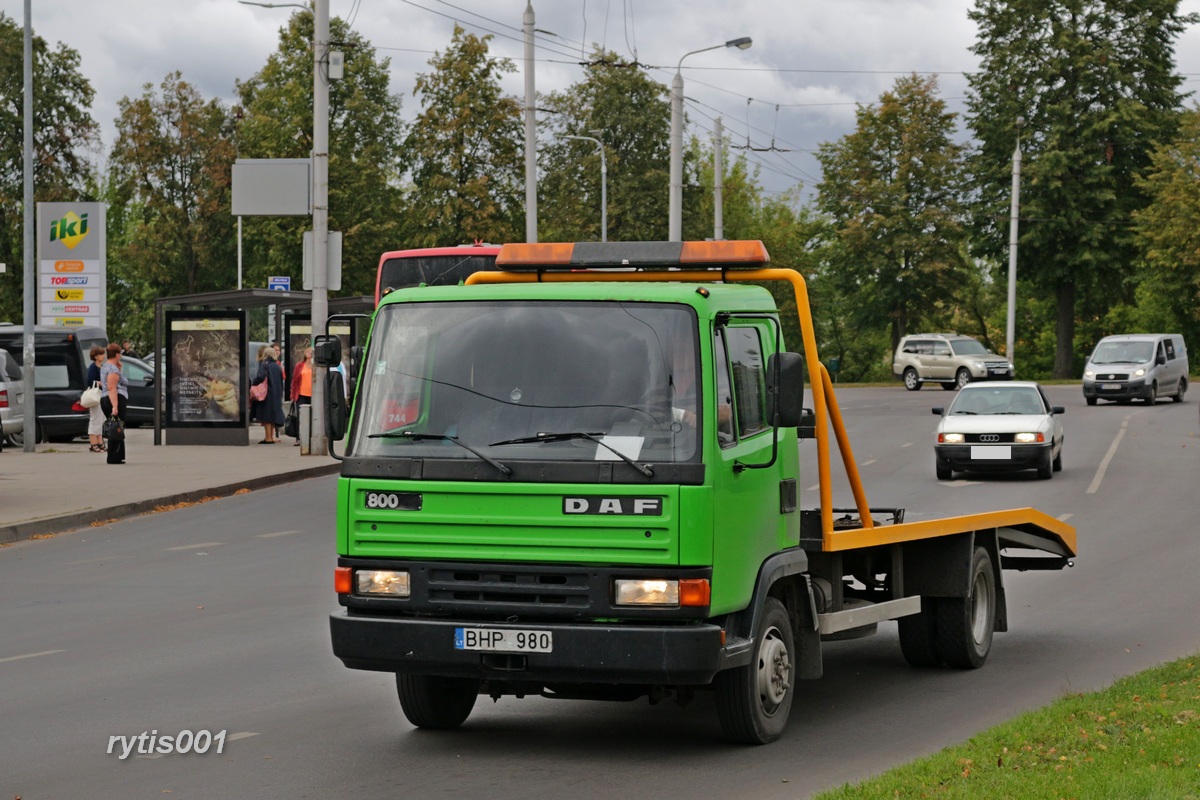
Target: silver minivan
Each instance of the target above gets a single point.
(1131, 366)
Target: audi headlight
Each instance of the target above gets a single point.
(391, 583)
(1029, 438)
(951, 438)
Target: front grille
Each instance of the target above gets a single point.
(1112, 376)
(990, 438)
(520, 586)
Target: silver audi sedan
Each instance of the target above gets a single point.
(999, 427)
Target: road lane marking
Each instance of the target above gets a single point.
(907, 444)
(961, 482)
(869, 462)
(273, 535)
(1064, 517)
(31, 655)
(195, 546)
(813, 488)
(233, 737)
(1108, 457)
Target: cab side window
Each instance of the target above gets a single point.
(1170, 344)
(748, 371)
(724, 399)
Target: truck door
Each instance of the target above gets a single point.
(749, 523)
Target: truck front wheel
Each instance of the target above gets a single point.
(432, 701)
(965, 624)
(753, 701)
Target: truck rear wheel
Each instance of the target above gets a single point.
(753, 702)
(964, 625)
(432, 701)
(918, 635)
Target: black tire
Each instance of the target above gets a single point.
(943, 473)
(18, 439)
(962, 377)
(433, 701)
(753, 702)
(964, 626)
(1152, 397)
(918, 635)
(1091, 401)
(1057, 465)
(1045, 470)
(950, 387)
(912, 381)
(1181, 391)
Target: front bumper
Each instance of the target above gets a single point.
(962, 457)
(992, 372)
(1116, 390)
(583, 652)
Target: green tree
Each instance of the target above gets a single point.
(1168, 231)
(64, 134)
(892, 190)
(1095, 84)
(617, 103)
(275, 120)
(466, 146)
(170, 173)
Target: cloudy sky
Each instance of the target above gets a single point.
(796, 87)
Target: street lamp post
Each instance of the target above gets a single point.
(603, 184)
(1010, 333)
(675, 221)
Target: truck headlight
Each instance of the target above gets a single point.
(951, 438)
(661, 592)
(1137, 373)
(391, 583)
(1089, 373)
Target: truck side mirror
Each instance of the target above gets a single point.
(335, 407)
(327, 350)
(785, 389)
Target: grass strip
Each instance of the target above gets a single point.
(1140, 738)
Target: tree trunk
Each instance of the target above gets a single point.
(1065, 331)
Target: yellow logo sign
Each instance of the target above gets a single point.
(70, 230)
(68, 294)
(71, 322)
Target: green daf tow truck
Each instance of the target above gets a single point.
(577, 477)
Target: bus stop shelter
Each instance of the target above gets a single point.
(203, 364)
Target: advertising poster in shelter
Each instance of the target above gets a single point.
(206, 374)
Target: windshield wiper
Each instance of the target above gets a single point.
(972, 413)
(440, 437)
(645, 469)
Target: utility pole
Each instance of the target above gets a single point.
(1010, 334)
(29, 299)
(318, 443)
(718, 181)
(531, 235)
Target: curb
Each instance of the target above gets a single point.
(70, 522)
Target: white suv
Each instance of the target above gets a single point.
(948, 359)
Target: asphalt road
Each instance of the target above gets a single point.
(213, 618)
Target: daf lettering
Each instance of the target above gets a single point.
(614, 506)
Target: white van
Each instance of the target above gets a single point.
(1137, 365)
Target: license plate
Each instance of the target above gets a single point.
(1110, 387)
(991, 453)
(503, 640)
(998, 371)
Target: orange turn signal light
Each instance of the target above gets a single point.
(343, 580)
(694, 592)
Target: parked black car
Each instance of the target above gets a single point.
(61, 362)
(142, 391)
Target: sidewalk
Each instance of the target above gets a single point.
(61, 487)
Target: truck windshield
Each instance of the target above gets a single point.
(518, 380)
(1123, 353)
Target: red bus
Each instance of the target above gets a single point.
(432, 266)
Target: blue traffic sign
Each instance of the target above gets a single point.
(281, 283)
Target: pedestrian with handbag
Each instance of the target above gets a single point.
(95, 413)
(113, 402)
(269, 410)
